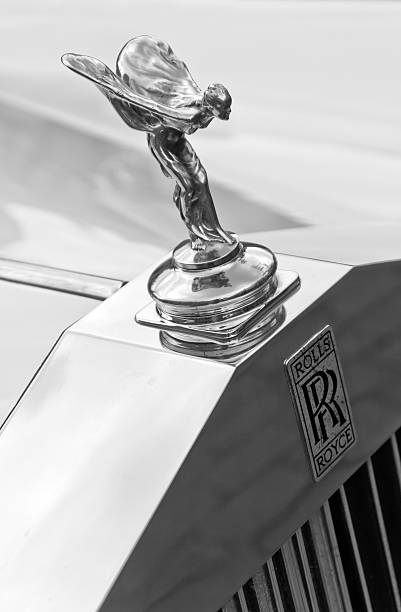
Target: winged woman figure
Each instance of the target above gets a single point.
(153, 91)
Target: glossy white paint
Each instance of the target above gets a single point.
(31, 321)
(352, 244)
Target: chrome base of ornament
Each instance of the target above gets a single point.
(228, 331)
(227, 351)
(220, 282)
(224, 296)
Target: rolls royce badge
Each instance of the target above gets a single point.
(321, 401)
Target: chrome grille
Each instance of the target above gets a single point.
(345, 558)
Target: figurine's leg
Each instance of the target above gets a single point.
(184, 193)
(186, 196)
(196, 242)
(178, 199)
(203, 212)
(180, 194)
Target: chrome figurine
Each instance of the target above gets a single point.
(153, 91)
(215, 296)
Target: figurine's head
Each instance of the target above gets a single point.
(217, 99)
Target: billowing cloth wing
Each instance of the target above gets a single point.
(152, 86)
(151, 69)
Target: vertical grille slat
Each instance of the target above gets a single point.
(295, 578)
(281, 572)
(355, 550)
(324, 569)
(242, 601)
(347, 557)
(366, 523)
(389, 485)
(265, 592)
(396, 459)
(349, 552)
(275, 586)
(310, 571)
(383, 534)
(331, 564)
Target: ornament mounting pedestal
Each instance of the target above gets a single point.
(219, 301)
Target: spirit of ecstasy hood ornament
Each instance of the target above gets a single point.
(153, 91)
(215, 293)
